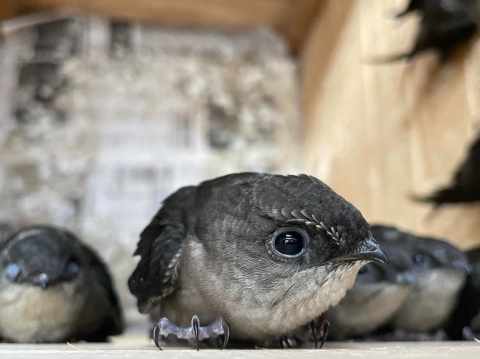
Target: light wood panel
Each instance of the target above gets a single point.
(290, 17)
(381, 133)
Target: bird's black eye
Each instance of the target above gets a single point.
(363, 270)
(419, 259)
(12, 271)
(290, 242)
(71, 268)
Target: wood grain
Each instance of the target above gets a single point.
(292, 18)
(380, 133)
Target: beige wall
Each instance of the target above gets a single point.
(378, 134)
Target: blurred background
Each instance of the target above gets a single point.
(108, 107)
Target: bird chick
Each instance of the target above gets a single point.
(54, 289)
(440, 269)
(254, 255)
(376, 296)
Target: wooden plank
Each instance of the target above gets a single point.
(292, 18)
(8, 9)
(404, 128)
(320, 49)
(128, 346)
(215, 13)
(336, 148)
(297, 23)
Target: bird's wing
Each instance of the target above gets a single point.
(160, 244)
(113, 323)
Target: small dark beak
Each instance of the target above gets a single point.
(370, 251)
(43, 281)
(462, 265)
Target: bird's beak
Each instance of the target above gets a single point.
(43, 281)
(462, 265)
(370, 251)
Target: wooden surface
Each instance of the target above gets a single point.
(8, 9)
(291, 17)
(381, 133)
(138, 347)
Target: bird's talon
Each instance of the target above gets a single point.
(218, 328)
(324, 332)
(284, 342)
(156, 337)
(226, 335)
(314, 332)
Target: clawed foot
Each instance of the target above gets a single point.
(218, 328)
(319, 332)
(316, 330)
(468, 334)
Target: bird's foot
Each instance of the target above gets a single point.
(320, 332)
(317, 330)
(218, 328)
(469, 334)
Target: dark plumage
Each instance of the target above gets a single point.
(268, 253)
(54, 289)
(441, 270)
(465, 322)
(465, 187)
(444, 25)
(376, 296)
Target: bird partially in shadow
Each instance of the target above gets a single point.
(54, 289)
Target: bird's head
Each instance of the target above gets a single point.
(441, 270)
(40, 256)
(377, 294)
(426, 254)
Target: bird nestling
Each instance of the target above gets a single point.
(54, 289)
(444, 25)
(465, 187)
(441, 271)
(254, 256)
(376, 296)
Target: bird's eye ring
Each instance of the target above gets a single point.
(12, 271)
(289, 242)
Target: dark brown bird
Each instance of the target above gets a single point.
(54, 289)
(444, 25)
(465, 187)
(256, 256)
